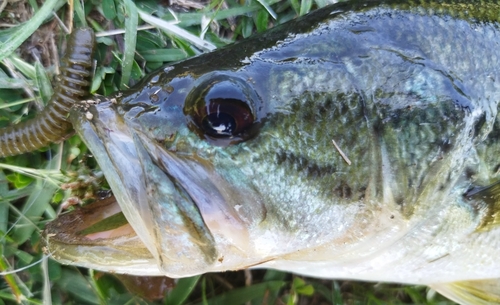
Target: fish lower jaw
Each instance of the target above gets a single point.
(85, 237)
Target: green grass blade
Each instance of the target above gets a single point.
(4, 206)
(37, 203)
(43, 83)
(13, 83)
(10, 280)
(80, 12)
(130, 41)
(268, 9)
(177, 31)
(183, 289)
(25, 68)
(109, 9)
(78, 286)
(261, 21)
(272, 296)
(195, 18)
(246, 294)
(164, 55)
(24, 31)
(305, 7)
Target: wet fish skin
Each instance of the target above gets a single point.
(409, 94)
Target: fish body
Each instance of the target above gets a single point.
(358, 142)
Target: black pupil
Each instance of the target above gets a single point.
(219, 124)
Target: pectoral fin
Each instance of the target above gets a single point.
(478, 292)
(489, 195)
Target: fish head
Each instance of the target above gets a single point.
(202, 171)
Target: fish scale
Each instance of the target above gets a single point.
(314, 146)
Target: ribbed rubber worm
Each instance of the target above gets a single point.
(52, 124)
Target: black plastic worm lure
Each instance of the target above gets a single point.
(52, 124)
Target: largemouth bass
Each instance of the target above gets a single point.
(358, 142)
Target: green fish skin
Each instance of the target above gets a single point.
(358, 142)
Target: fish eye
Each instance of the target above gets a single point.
(221, 109)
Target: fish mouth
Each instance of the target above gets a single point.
(101, 235)
(98, 235)
(162, 214)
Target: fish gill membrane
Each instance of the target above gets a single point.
(357, 142)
